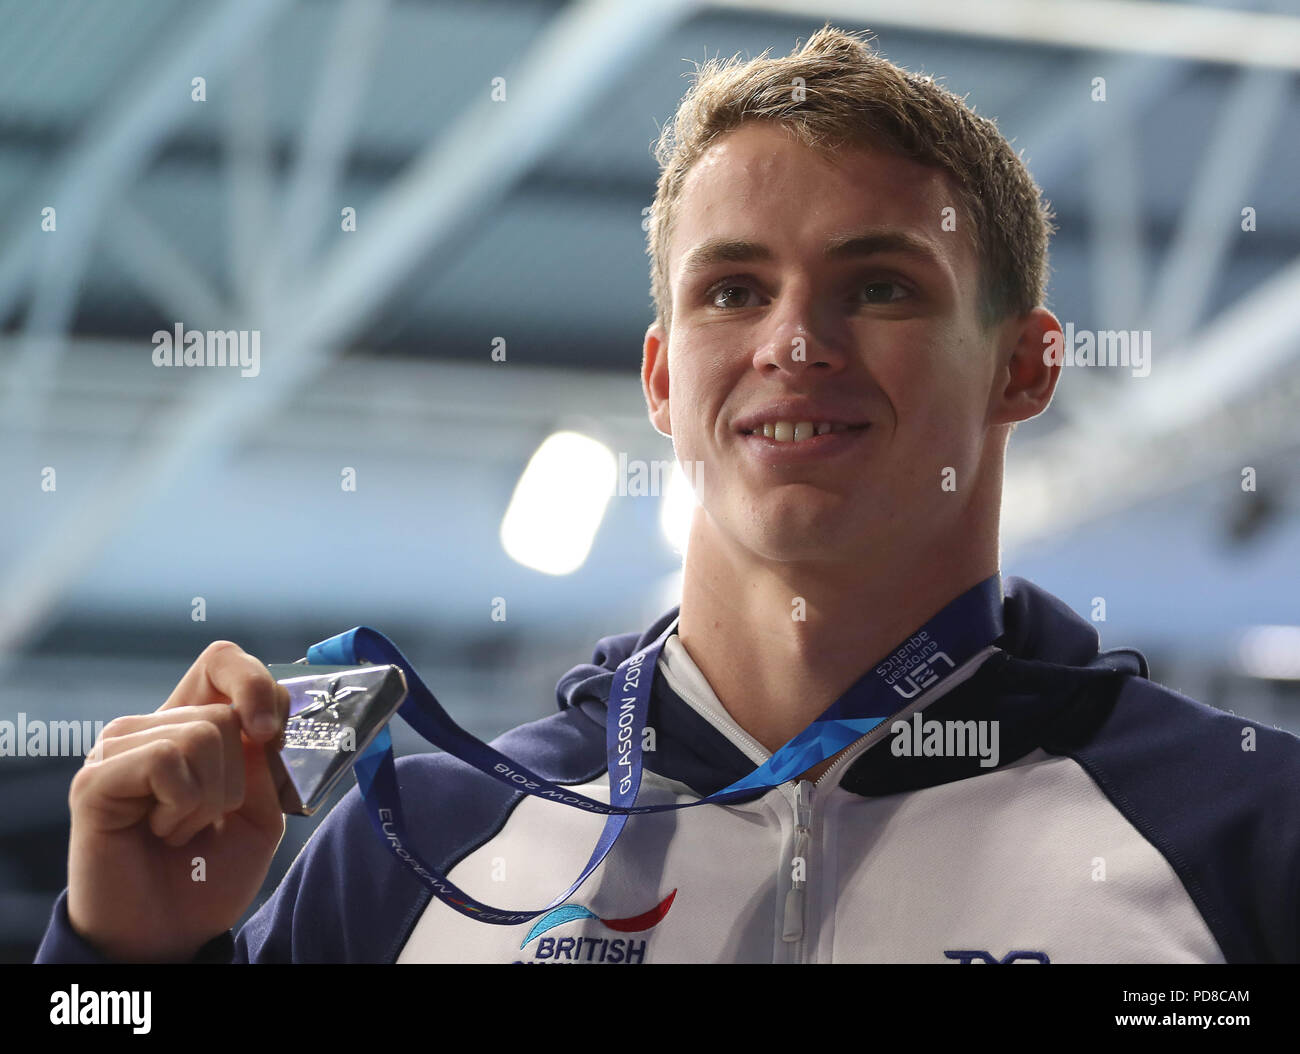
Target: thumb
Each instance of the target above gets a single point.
(261, 793)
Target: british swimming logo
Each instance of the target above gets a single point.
(594, 949)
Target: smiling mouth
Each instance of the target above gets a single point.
(792, 432)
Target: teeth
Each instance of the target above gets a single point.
(793, 431)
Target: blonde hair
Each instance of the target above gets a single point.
(852, 97)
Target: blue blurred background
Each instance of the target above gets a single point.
(517, 223)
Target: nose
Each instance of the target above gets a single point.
(799, 336)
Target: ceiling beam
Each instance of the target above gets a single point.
(1198, 34)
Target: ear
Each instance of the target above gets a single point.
(1027, 373)
(654, 378)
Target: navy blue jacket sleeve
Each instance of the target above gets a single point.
(1219, 796)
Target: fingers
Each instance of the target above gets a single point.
(224, 672)
(155, 780)
(188, 764)
(208, 737)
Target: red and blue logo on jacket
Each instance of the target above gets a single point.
(573, 912)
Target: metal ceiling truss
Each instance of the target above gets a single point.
(309, 306)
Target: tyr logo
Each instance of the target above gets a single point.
(968, 957)
(921, 676)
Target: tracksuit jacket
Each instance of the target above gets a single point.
(1118, 821)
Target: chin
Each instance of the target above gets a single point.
(797, 540)
(792, 527)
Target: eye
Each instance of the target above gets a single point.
(730, 293)
(883, 291)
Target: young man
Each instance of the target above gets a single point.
(849, 267)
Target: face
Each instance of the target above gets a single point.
(809, 290)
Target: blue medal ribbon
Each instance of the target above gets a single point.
(950, 639)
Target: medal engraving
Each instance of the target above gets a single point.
(329, 698)
(306, 734)
(334, 713)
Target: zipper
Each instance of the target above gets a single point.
(792, 930)
(793, 924)
(794, 899)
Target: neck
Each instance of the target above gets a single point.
(775, 673)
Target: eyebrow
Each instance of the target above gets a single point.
(851, 246)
